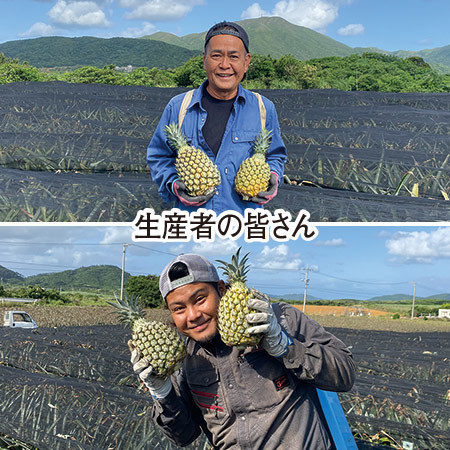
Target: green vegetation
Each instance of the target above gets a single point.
(90, 51)
(366, 72)
(147, 289)
(103, 279)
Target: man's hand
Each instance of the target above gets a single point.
(158, 387)
(265, 196)
(179, 189)
(275, 341)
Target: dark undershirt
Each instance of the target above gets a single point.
(218, 112)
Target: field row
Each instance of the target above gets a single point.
(74, 386)
(62, 144)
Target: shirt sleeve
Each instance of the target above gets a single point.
(277, 154)
(161, 158)
(176, 415)
(316, 356)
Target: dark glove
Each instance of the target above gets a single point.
(179, 189)
(265, 196)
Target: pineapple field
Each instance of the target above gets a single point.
(77, 152)
(68, 386)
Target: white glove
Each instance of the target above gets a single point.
(275, 341)
(158, 387)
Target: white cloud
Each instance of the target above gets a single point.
(119, 234)
(158, 10)
(39, 29)
(254, 11)
(314, 14)
(331, 243)
(78, 13)
(218, 248)
(278, 257)
(420, 246)
(351, 29)
(147, 28)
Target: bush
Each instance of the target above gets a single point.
(147, 289)
(396, 316)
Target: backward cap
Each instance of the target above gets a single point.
(221, 28)
(199, 268)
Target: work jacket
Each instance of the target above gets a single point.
(251, 400)
(241, 130)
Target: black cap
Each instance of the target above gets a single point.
(227, 28)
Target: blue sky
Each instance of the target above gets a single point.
(345, 261)
(387, 24)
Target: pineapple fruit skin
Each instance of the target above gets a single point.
(194, 167)
(253, 176)
(160, 344)
(232, 322)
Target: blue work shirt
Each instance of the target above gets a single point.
(243, 126)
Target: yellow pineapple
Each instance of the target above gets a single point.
(253, 175)
(233, 305)
(195, 169)
(160, 344)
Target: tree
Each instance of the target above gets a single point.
(261, 69)
(191, 73)
(147, 289)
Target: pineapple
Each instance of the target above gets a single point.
(253, 175)
(200, 175)
(233, 305)
(159, 343)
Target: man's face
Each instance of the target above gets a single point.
(194, 309)
(225, 61)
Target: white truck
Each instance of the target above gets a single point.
(18, 319)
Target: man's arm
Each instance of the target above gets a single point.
(176, 414)
(161, 158)
(315, 355)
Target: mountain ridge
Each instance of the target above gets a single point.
(268, 35)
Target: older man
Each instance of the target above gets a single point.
(223, 119)
(262, 397)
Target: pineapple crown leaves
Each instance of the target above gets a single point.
(237, 270)
(175, 136)
(128, 309)
(262, 141)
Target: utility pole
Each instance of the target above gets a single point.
(306, 269)
(124, 248)
(414, 299)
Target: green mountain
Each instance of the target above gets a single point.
(104, 278)
(275, 36)
(409, 297)
(9, 276)
(298, 297)
(59, 51)
(272, 36)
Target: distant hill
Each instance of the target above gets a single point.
(298, 297)
(398, 297)
(276, 37)
(59, 51)
(104, 278)
(272, 36)
(9, 276)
